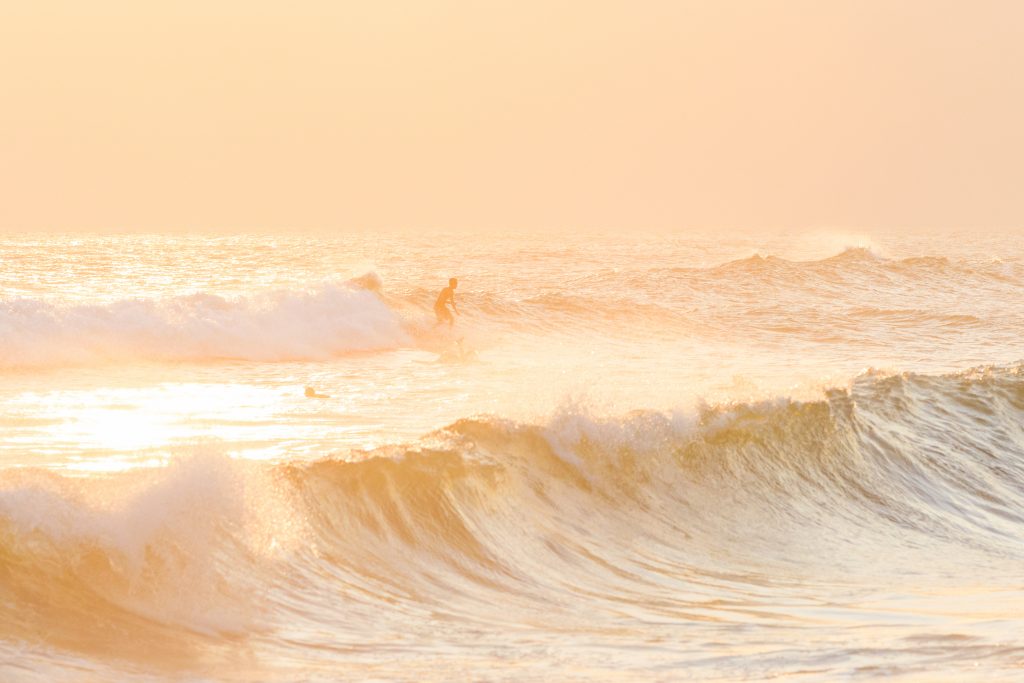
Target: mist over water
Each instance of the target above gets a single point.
(633, 458)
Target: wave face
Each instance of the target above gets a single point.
(728, 527)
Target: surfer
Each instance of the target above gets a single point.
(447, 296)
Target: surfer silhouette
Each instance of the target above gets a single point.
(447, 296)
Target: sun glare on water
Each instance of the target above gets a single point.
(120, 428)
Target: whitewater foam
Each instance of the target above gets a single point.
(313, 324)
(174, 544)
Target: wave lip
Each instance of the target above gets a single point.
(274, 326)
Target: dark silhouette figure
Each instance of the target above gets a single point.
(447, 296)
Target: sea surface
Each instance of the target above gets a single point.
(795, 456)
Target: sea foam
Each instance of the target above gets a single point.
(328, 321)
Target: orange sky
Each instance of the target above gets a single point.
(547, 114)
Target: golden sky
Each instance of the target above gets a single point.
(525, 114)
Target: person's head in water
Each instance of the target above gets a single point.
(453, 283)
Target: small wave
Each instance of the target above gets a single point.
(852, 255)
(759, 262)
(854, 259)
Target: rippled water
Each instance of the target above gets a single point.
(685, 458)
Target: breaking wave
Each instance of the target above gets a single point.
(317, 324)
(495, 520)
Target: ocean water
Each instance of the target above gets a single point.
(786, 457)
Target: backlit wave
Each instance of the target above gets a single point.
(496, 520)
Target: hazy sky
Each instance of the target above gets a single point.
(546, 114)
